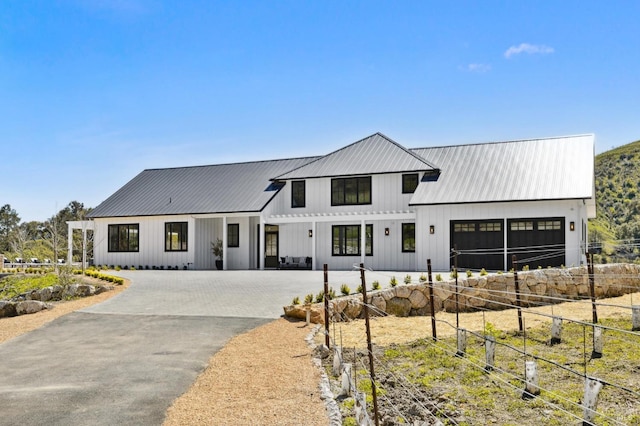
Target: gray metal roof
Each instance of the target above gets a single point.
(375, 154)
(225, 188)
(538, 169)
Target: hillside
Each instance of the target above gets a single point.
(617, 225)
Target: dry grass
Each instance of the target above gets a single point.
(388, 330)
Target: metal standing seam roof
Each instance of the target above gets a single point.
(224, 188)
(375, 154)
(537, 169)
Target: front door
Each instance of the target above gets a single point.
(271, 246)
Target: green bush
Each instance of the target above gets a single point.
(376, 285)
(438, 277)
(345, 290)
(469, 273)
(359, 289)
(308, 298)
(483, 272)
(407, 279)
(320, 297)
(296, 301)
(454, 274)
(423, 278)
(332, 293)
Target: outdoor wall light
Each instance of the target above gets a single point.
(432, 229)
(572, 226)
(310, 233)
(386, 231)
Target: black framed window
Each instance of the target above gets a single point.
(346, 240)
(351, 191)
(175, 236)
(408, 237)
(298, 193)
(409, 183)
(124, 237)
(233, 235)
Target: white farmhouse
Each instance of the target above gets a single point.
(373, 202)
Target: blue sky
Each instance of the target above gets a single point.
(94, 91)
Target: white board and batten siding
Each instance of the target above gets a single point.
(437, 246)
(386, 196)
(150, 244)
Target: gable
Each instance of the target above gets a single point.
(375, 154)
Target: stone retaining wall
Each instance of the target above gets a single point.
(495, 291)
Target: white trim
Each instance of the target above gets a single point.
(342, 217)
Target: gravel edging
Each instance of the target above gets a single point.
(333, 411)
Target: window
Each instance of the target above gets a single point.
(233, 235)
(464, 227)
(350, 191)
(522, 226)
(297, 193)
(124, 237)
(549, 225)
(490, 226)
(409, 183)
(346, 240)
(175, 236)
(408, 237)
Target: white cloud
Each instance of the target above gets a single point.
(528, 48)
(478, 67)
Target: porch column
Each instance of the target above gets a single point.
(314, 261)
(84, 247)
(363, 241)
(224, 243)
(69, 244)
(261, 245)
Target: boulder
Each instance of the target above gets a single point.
(85, 290)
(353, 308)
(30, 307)
(399, 307)
(70, 291)
(45, 294)
(418, 299)
(103, 288)
(403, 291)
(379, 304)
(7, 309)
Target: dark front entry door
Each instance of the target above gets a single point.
(271, 246)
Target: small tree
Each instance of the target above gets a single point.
(216, 249)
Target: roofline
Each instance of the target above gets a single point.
(502, 201)
(356, 174)
(232, 164)
(508, 141)
(180, 214)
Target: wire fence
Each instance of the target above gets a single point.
(556, 367)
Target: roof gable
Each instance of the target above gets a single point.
(538, 169)
(375, 154)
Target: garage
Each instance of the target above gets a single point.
(480, 244)
(537, 242)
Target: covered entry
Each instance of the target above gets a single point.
(480, 244)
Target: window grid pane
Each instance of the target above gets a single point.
(408, 237)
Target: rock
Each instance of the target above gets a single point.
(56, 292)
(7, 309)
(321, 351)
(103, 288)
(45, 294)
(399, 307)
(379, 304)
(70, 291)
(85, 290)
(353, 308)
(30, 307)
(418, 299)
(403, 291)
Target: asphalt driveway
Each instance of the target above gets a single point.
(124, 361)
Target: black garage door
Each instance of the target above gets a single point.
(480, 244)
(536, 242)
